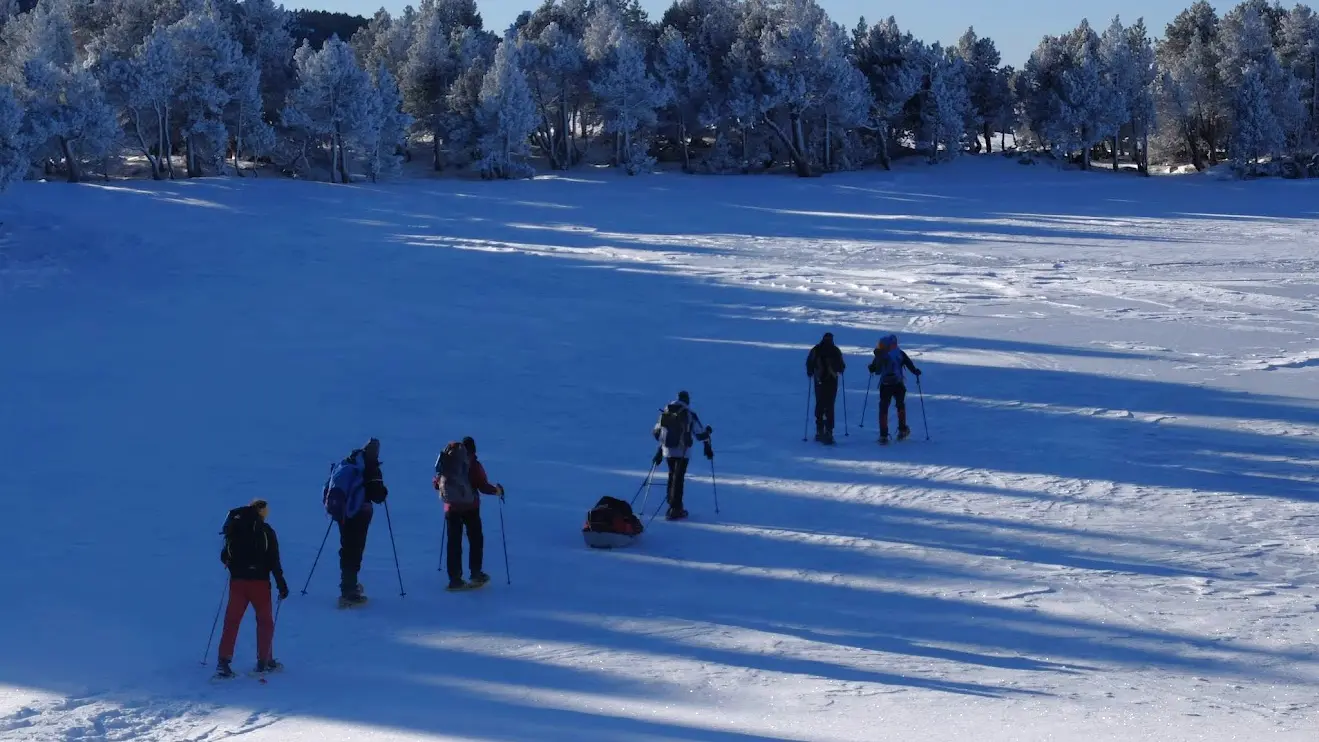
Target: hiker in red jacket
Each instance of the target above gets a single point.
(460, 517)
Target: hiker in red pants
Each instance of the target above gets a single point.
(251, 552)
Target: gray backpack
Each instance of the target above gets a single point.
(451, 476)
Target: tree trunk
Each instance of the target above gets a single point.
(70, 162)
(1144, 164)
(799, 161)
(828, 150)
(1115, 153)
(686, 154)
(438, 156)
(884, 158)
(343, 161)
(989, 139)
(168, 151)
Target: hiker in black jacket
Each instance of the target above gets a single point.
(823, 364)
(251, 553)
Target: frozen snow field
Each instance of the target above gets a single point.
(1112, 533)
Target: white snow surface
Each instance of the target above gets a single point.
(1111, 533)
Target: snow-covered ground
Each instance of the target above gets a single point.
(1111, 534)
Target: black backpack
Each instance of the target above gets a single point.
(244, 536)
(676, 425)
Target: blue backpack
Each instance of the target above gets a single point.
(345, 490)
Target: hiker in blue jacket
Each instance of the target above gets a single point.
(677, 431)
(890, 360)
(353, 530)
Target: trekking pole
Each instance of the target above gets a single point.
(866, 403)
(390, 523)
(645, 484)
(657, 509)
(715, 485)
(508, 579)
(844, 385)
(924, 421)
(444, 542)
(646, 499)
(806, 422)
(215, 623)
(318, 557)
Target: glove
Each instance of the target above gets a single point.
(872, 368)
(709, 430)
(224, 557)
(499, 490)
(659, 456)
(283, 588)
(709, 451)
(917, 372)
(655, 433)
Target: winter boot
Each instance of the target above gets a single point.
(456, 583)
(480, 578)
(223, 671)
(264, 667)
(883, 437)
(819, 431)
(903, 432)
(676, 514)
(828, 437)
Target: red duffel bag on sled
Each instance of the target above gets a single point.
(611, 524)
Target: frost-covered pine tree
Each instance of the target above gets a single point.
(1141, 95)
(212, 76)
(391, 134)
(1298, 52)
(1118, 77)
(332, 102)
(627, 95)
(1245, 43)
(555, 63)
(148, 82)
(507, 115)
(1257, 134)
(14, 157)
(793, 57)
(67, 117)
(244, 114)
(893, 63)
(982, 60)
(433, 64)
(264, 30)
(689, 83)
(842, 95)
(945, 104)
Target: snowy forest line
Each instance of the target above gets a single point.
(718, 86)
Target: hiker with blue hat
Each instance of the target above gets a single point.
(890, 360)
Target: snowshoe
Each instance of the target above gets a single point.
(828, 438)
(346, 601)
(265, 667)
(223, 671)
(479, 578)
(883, 439)
(675, 514)
(457, 584)
(903, 433)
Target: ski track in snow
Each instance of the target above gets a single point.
(1113, 529)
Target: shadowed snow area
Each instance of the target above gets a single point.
(1111, 533)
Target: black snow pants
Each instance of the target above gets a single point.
(826, 395)
(470, 521)
(677, 476)
(352, 545)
